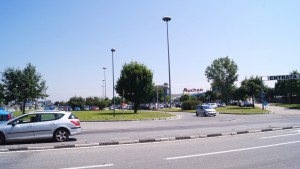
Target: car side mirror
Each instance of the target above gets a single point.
(15, 123)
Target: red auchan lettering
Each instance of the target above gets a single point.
(192, 90)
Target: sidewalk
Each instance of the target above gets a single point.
(281, 110)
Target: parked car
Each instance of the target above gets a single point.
(86, 108)
(94, 108)
(222, 104)
(178, 105)
(5, 116)
(160, 106)
(77, 108)
(205, 110)
(213, 105)
(58, 125)
(245, 104)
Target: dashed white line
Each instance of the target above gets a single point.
(280, 136)
(230, 151)
(93, 166)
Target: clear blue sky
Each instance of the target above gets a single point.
(69, 41)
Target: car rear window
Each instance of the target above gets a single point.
(72, 116)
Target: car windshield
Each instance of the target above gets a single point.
(206, 107)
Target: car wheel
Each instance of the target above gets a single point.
(61, 135)
(2, 139)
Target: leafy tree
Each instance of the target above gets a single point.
(1, 94)
(252, 87)
(76, 102)
(239, 94)
(153, 96)
(23, 85)
(136, 83)
(223, 73)
(92, 101)
(209, 96)
(189, 104)
(184, 97)
(288, 88)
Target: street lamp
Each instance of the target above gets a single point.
(167, 19)
(103, 87)
(112, 56)
(104, 68)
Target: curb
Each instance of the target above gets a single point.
(148, 140)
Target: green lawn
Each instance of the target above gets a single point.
(129, 115)
(109, 115)
(227, 110)
(291, 106)
(241, 110)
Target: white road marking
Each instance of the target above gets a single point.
(93, 166)
(230, 151)
(279, 136)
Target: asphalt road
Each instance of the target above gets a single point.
(266, 150)
(185, 125)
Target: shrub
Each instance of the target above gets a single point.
(189, 104)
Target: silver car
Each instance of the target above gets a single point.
(58, 125)
(205, 110)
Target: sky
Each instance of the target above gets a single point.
(70, 41)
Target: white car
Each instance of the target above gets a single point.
(213, 105)
(205, 110)
(58, 125)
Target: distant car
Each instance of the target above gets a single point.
(160, 106)
(111, 107)
(213, 105)
(94, 108)
(245, 104)
(77, 108)
(86, 108)
(222, 104)
(205, 110)
(58, 125)
(178, 105)
(5, 116)
(50, 108)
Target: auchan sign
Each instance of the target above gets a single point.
(192, 90)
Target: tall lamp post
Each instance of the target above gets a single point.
(112, 56)
(104, 68)
(103, 87)
(167, 19)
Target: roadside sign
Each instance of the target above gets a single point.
(265, 103)
(284, 77)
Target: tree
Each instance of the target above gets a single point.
(23, 85)
(1, 94)
(135, 82)
(223, 73)
(288, 88)
(252, 87)
(184, 97)
(76, 102)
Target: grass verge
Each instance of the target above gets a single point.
(291, 106)
(241, 110)
(103, 115)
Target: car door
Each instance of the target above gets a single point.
(45, 125)
(21, 128)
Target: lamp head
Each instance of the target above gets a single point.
(166, 18)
